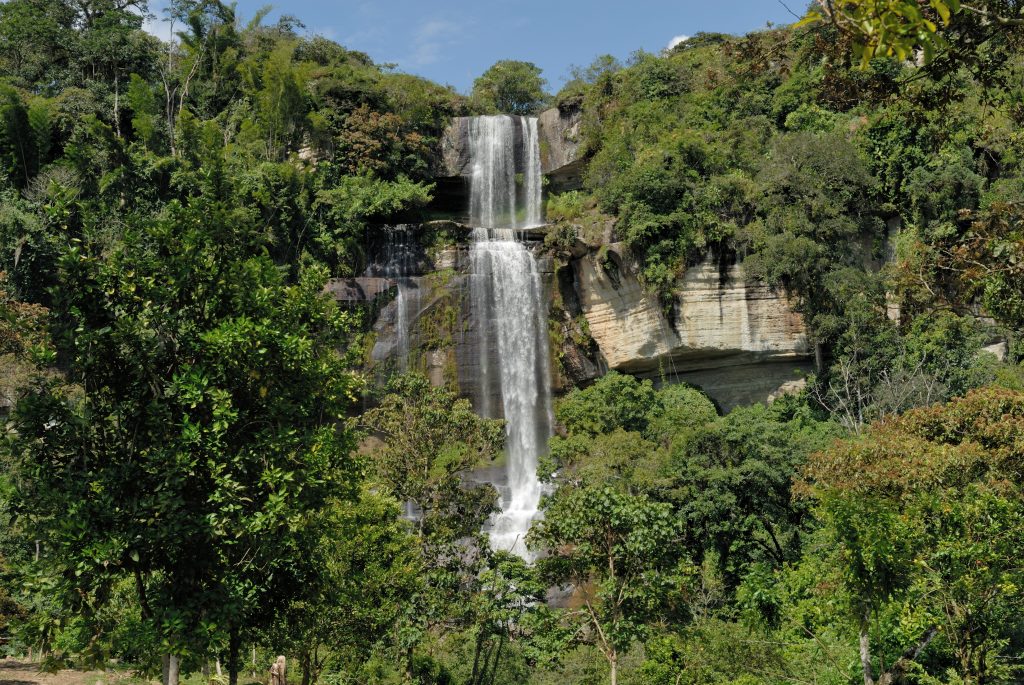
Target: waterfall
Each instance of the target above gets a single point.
(496, 199)
(399, 263)
(532, 178)
(511, 313)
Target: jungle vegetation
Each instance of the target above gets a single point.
(196, 471)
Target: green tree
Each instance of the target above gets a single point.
(143, 106)
(509, 608)
(195, 437)
(17, 154)
(38, 40)
(619, 431)
(510, 87)
(816, 207)
(922, 515)
(24, 347)
(430, 442)
(888, 27)
(370, 568)
(620, 555)
(730, 481)
(980, 259)
(280, 103)
(615, 400)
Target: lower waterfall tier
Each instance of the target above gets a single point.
(510, 310)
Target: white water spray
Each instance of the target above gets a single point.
(509, 305)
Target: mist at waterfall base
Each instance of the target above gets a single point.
(510, 311)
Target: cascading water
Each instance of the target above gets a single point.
(509, 306)
(496, 200)
(400, 263)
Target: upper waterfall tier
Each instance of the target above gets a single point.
(499, 197)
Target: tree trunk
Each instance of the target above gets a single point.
(613, 662)
(220, 671)
(475, 679)
(865, 655)
(234, 663)
(494, 666)
(171, 669)
(117, 104)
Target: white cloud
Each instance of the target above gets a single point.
(430, 40)
(676, 40)
(435, 28)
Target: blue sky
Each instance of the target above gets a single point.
(453, 42)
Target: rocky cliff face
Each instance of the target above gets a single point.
(559, 143)
(716, 312)
(558, 130)
(738, 339)
(734, 337)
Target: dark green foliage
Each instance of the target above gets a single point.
(430, 442)
(369, 568)
(816, 209)
(38, 39)
(920, 514)
(614, 401)
(180, 470)
(724, 483)
(510, 87)
(619, 552)
(731, 483)
(196, 421)
(682, 409)
(18, 156)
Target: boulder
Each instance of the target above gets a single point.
(358, 290)
(559, 131)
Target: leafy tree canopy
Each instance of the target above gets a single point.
(510, 87)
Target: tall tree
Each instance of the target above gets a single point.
(370, 569)
(922, 516)
(37, 41)
(431, 440)
(195, 437)
(620, 555)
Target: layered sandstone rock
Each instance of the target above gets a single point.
(738, 339)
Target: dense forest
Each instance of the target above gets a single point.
(198, 473)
